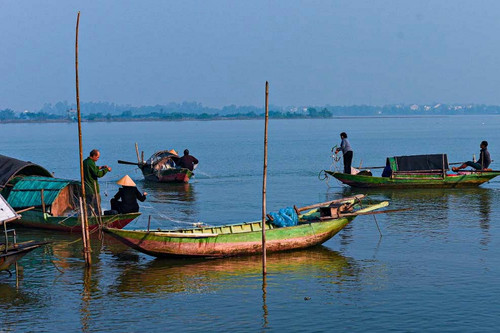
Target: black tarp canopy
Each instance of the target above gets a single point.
(11, 167)
(419, 162)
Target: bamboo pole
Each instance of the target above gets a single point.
(137, 153)
(42, 198)
(85, 231)
(264, 181)
(86, 253)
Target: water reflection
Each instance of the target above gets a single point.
(195, 276)
(14, 303)
(433, 210)
(265, 311)
(86, 319)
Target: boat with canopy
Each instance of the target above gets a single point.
(422, 171)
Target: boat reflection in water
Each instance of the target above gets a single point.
(197, 276)
(434, 210)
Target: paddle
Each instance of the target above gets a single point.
(131, 163)
(374, 213)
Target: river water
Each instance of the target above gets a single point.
(436, 267)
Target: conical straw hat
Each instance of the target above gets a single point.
(172, 151)
(126, 181)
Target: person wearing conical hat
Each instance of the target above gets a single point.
(125, 200)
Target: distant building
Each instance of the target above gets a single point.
(71, 114)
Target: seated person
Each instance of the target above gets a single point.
(484, 159)
(387, 171)
(129, 194)
(187, 161)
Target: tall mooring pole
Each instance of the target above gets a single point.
(83, 206)
(264, 181)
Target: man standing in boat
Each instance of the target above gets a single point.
(484, 159)
(187, 161)
(91, 172)
(346, 152)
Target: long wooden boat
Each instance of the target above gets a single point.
(416, 180)
(417, 171)
(162, 167)
(55, 205)
(315, 227)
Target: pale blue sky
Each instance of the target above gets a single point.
(221, 52)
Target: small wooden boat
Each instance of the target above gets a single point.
(417, 171)
(55, 203)
(162, 167)
(316, 226)
(11, 252)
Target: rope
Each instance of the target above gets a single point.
(170, 219)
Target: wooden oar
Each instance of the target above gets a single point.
(131, 163)
(374, 213)
(377, 167)
(25, 210)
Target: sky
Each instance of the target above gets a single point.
(221, 52)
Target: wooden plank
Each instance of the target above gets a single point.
(328, 203)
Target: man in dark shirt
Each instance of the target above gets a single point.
(484, 159)
(187, 161)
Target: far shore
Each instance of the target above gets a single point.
(101, 120)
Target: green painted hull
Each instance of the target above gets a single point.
(39, 220)
(415, 180)
(229, 240)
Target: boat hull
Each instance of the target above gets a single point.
(173, 175)
(240, 242)
(415, 180)
(39, 220)
(16, 252)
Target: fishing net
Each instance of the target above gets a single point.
(285, 217)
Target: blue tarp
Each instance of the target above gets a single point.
(286, 217)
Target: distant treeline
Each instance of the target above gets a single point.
(102, 111)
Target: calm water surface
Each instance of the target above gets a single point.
(436, 268)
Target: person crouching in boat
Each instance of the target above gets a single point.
(346, 152)
(125, 200)
(484, 159)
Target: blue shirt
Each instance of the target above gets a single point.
(345, 146)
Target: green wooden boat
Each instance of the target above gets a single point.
(55, 203)
(315, 227)
(417, 171)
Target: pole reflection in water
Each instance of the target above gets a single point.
(264, 304)
(86, 297)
